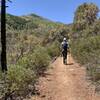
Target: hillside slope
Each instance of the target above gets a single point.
(32, 42)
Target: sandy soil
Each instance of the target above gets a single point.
(65, 82)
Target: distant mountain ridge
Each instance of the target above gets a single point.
(30, 21)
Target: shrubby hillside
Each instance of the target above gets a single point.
(25, 32)
(32, 42)
(86, 39)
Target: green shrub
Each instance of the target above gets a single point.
(36, 61)
(87, 52)
(41, 59)
(54, 49)
(17, 80)
(27, 61)
(86, 49)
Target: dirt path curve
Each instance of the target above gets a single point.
(65, 82)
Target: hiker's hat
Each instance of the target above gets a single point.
(64, 39)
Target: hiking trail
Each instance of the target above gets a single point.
(65, 82)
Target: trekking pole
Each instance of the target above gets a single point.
(69, 55)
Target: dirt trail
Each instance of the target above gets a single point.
(66, 82)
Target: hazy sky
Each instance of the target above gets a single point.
(56, 10)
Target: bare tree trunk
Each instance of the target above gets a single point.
(3, 36)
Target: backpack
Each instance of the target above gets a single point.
(64, 46)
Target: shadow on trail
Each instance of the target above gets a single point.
(70, 64)
(45, 74)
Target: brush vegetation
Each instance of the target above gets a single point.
(32, 42)
(86, 39)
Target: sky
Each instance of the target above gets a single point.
(55, 10)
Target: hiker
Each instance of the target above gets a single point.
(64, 49)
